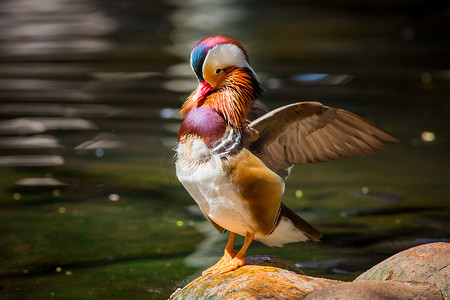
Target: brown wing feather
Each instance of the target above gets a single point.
(307, 132)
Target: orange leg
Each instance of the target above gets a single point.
(228, 262)
(228, 255)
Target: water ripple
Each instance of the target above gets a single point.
(31, 161)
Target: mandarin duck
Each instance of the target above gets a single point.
(233, 156)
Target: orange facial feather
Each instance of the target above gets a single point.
(232, 99)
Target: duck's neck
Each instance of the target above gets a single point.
(232, 100)
(204, 123)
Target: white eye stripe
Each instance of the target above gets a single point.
(226, 55)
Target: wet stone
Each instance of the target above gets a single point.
(378, 290)
(263, 277)
(421, 272)
(425, 263)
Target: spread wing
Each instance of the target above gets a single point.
(307, 132)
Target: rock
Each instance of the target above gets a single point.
(422, 272)
(263, 277)
(378, 290)
(425, 263)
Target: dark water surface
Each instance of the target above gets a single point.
(89, 94)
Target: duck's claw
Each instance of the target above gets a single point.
(232, 265)
(226, 259)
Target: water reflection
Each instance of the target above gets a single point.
(169, 113)
(101, 141)
(31, 161)
(44, 109)
(122, 76)
(23, 126)
(40, 182)
(382, 197)
(323, 79)
(428, 136)
(210, 249)
(194, 20)
(114, 197)
(35, 26)
(33, 142)
(40, 28)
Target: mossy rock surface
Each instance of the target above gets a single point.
(421, 272)
(263, 277)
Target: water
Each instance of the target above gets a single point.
(89, 96)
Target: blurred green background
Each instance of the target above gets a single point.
(90, 207)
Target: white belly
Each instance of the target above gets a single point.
(207, 182)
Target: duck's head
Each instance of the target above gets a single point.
(226, 81)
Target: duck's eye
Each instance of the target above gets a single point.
(218, 71)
